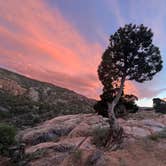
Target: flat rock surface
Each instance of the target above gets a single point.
(55, 139)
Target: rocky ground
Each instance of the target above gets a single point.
(72, 140)
(67, 141)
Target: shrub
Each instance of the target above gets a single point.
(153, 137)
(76, 156)
(7, 138)
(101, 108)
(162, 134)
(37, 154)
(4, 115)
(100, 136)
(159, 105)
(125, 105)
(96, 158)
(158, 135)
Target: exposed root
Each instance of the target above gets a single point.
(115, 137)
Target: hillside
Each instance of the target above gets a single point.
(25, 102)
(57, 126)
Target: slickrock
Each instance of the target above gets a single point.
(55, 142)
(71, 125)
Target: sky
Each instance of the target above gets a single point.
(62, 41)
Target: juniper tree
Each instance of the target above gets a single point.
(125, 105)
(131, 55)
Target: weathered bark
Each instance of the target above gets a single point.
(116, 132)
(112, 105)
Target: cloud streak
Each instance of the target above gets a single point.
(41, 43)
(36, 37)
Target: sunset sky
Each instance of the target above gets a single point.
(62, 41)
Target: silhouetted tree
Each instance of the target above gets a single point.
(101, 108)
(131, 55)
(159, 105)
(126, 104)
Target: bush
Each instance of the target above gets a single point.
(158, 135)
(159, 105)
(101, 108)
(100, 136)
(162, 134)
(7, 138)
(37, 154)
(153, 137)
(76, 157)
(125, 106)
(96, 158)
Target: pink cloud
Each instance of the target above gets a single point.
(42, 44)
(40, 37)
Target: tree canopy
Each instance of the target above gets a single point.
(130, 55)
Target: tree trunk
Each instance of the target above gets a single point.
(116, 131)
(112, 105)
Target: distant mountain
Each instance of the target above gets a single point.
(25, 102)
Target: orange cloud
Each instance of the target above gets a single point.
(40, 43)
(37, 37)
(130, 88)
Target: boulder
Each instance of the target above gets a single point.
(71, 125)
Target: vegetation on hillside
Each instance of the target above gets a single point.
(7, 138)
(40, 102)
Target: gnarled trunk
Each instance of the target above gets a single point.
(116, 131)
(112, 105)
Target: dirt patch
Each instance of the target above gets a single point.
(139, 153)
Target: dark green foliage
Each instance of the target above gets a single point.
(101, 108)
(100, 136)
(17, 153)
(125, 105)
(159, 105)
(76, 157)
(131, 55)
(129, 102)
(158, 135)
(37, 154)
(22, 112)
(96, 158)
(7, 138)
(153, 137)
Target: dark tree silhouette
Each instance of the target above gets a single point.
(126, 105)
(159, 105)
(131, 55)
